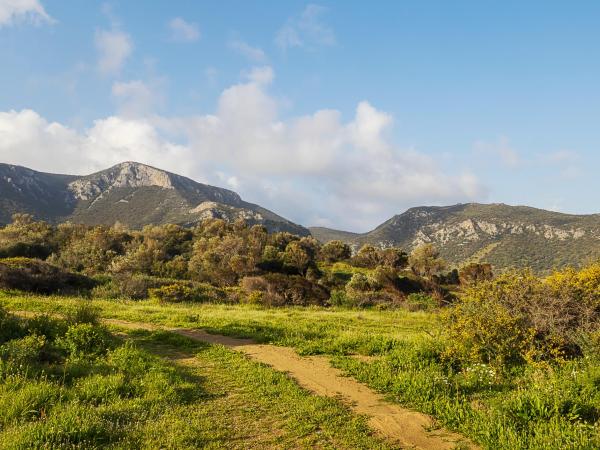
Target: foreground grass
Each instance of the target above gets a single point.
(160, 390)
(309, 330)
(552, 407)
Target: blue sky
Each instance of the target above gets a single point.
(331, 113)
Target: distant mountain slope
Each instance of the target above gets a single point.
(505, 236)
(131, 193)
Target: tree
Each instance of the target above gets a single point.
(297, 257)
(425, 261)
(25, 237)
(393, 258)
(475, 272)
(367, 256)
(335, 251)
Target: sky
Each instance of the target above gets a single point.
(336, 113)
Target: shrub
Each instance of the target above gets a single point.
(10, 326)
(85, 340)
(425, 260)
(38, 276)
(44, 325)
(85, 313)
(25, 351)
(174, 293)
(279, 289)
(419, 301)
(340, 298)
(335, 251)
(135, 286)
(473, 273)
(516, 318)
(359, 282)
(363, 299)
(584, 285)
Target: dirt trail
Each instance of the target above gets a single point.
(407, 428)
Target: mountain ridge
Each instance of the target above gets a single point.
(504, 235)
(132, 193)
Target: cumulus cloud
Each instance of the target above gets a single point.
(30, 11)
(182, 31)
(314, 169)
(30, 140)
(317, 166)
(137, 98)
(114, 47)
(306, 30)
(254, 54)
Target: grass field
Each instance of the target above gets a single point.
(553, 407)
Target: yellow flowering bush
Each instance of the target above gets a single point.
(518, 318)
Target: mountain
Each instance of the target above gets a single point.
(505, 236)
(131, 193)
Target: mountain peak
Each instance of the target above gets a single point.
(130, 192)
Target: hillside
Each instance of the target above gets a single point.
(505, 236)
(131, 193)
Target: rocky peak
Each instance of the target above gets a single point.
(127, 174)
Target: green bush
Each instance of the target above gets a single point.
(34, 275)
(23, 352)
(44, 325)
(174, 293)
(359, 282)
(517, 318)
(85, 313)
(10, 326)
(85, 340)
(421, 302)
(279, 289)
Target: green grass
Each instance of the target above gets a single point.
(310, 330)
(161, 390)
(553, 407)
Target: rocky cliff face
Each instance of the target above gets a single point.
(506, 236)
(131, 193)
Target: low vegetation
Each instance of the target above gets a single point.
(512, 361)
(68, 383)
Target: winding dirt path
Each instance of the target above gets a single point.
(408, 428)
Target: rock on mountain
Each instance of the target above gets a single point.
(131, 193)
(505, 236)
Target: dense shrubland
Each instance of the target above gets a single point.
(214, 261)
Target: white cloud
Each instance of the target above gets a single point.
(254, 54)
(30, 11)
(114, 47)
(137, 98)
(261, 75)
(501, 149)
(314, 169)
(182, 31)
(28, 139)
(316, 166)
(306, 30)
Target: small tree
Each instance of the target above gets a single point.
(335, 251)
(297, 257)
(425, 261)
(393, 258)
(475, 272)
(367, 256)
